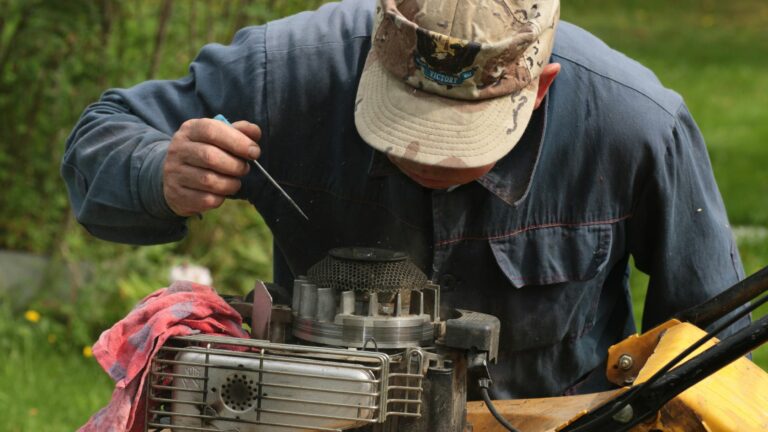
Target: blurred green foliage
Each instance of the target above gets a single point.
(55, 59)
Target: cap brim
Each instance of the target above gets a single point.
(403, 121)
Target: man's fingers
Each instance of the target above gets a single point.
(188, 202)
(204, 180)
(253, 131)
(204, 160)
(221, 135)
(213, 158)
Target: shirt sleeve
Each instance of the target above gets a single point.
(679, 233)
(113, 160)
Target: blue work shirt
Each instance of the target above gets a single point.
(611, 165)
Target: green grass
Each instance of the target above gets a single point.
(47, 386)
(45, 391)
(715, 55)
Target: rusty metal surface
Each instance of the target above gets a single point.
(637, 348)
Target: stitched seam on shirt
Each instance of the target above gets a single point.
(356, 201)
(557, 278)
(673, 132)
(625, 85)
(534, 227)
(295, 48)
(262, 98)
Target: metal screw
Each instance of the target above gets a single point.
(626, 362)
(625, 415)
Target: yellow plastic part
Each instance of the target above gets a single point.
(733, 399)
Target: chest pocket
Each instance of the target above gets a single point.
(554, 277)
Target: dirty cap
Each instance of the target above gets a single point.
(453, 83)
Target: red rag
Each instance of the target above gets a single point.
(124, 351)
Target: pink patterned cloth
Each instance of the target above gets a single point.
(124, 351)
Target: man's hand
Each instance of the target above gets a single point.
(205, 160)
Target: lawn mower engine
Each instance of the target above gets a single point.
(361, 347)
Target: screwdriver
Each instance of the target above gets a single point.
(223, 119)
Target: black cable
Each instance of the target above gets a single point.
(484, 383)
(633, 393)
(375, 345)
(703, 340)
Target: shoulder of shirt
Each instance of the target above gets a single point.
(331, 24)
(590, 55)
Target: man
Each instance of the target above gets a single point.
(519, 173)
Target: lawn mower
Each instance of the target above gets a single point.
(362, 344)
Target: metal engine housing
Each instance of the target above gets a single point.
(370, 353)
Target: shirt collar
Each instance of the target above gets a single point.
(511, 177)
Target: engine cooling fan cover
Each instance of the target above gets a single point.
(367, 269)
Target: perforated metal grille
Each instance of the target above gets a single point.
(239, 392)
(210, 383)
(369, 275)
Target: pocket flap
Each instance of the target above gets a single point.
(553, 254)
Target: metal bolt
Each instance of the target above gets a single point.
(626, 362)
(625, 415)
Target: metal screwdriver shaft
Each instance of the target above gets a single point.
(223, 119)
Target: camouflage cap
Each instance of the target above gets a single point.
(453, 82)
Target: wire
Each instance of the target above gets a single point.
(484, 383)
(635, 391)
(375, 345)
(701, 341)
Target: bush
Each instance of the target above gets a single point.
(55, 59)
